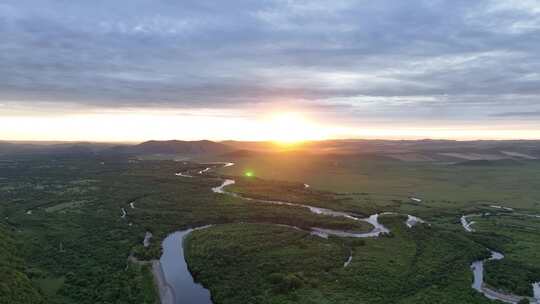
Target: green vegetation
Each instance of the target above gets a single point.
(15, 286)
(518, 237)
(440, 185)
(275, 264)
(74, 245)
(512, 276)
(63, 239)
(297, 193)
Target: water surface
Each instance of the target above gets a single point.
(185, 290)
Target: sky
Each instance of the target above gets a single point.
(132, 70)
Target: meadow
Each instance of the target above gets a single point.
(446, 191)
(65, 241)
(439, 185)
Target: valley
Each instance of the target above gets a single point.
(281, 241)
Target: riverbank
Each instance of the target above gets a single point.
(477, 268)
(377, 228)
(166, 293)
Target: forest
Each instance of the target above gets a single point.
(72, 227)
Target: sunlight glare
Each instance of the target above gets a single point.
(291, 128)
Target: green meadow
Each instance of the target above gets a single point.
(440, 184)
(64, 240)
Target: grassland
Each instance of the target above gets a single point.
(446, 190)
(441, 184)
(64, 240)
(73, 243)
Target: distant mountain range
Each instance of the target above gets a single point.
(169, 147)
(199, 147)
(402, 150)
(65, 148)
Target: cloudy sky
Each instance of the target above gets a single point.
(141, 69)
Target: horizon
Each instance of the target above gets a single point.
(274, 151)
(299, 143)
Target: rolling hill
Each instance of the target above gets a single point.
(200, 147)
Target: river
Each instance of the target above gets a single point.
(184, 289)
(176, 284)
(178, 280)
(477, 268)
(373, 219)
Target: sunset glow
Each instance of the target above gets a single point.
(290, 128)
(286, 128)
(303, 71)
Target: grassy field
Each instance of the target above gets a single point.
(64, 240)
(447, 192)
(441, 184)
(73, 244)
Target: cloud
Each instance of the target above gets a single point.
(457, 60)
(519, 114)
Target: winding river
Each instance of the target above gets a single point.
(176, 284)
(477, 268)
(377, 230)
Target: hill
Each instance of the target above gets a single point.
(174, 147)
(62, 148)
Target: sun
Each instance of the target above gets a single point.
(291, 128)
